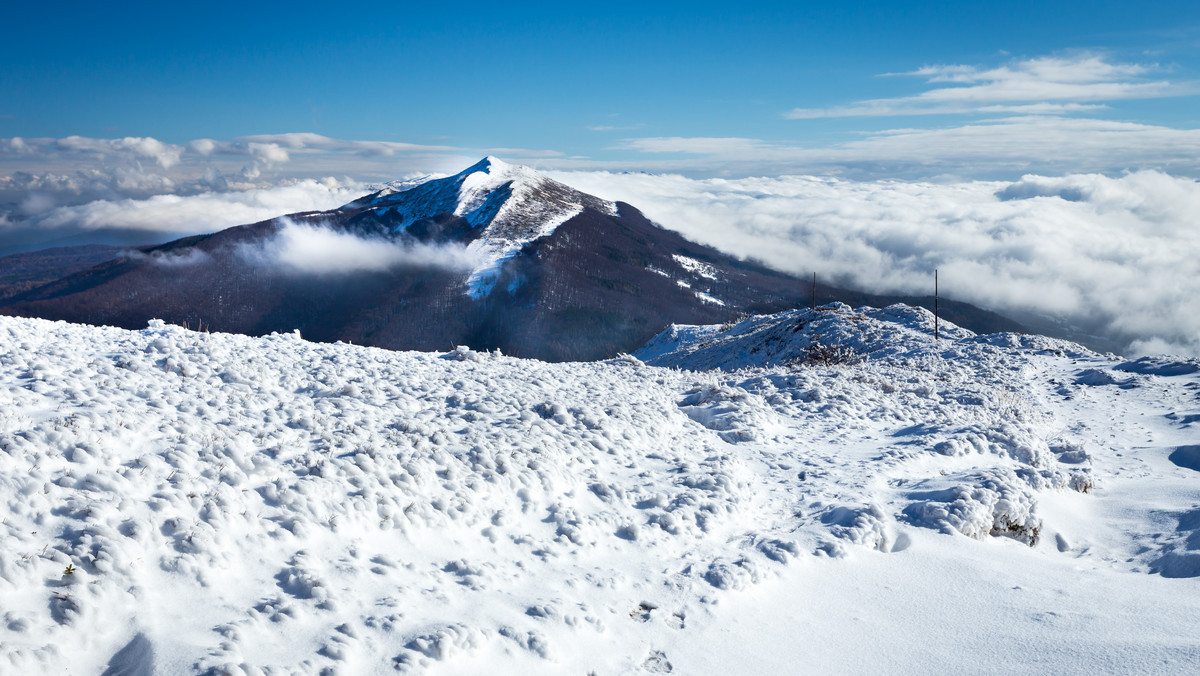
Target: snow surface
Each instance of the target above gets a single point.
(698, 268)
(846, 495)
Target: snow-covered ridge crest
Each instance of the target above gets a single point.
(507, 205)
(827, 334)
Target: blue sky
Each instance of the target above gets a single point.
(586, 82)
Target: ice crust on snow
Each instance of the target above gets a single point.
(253, 505)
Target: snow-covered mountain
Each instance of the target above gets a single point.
(496, 256)
(506, 207)
(841, 493)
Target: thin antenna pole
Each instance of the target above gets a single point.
(814, 291)
(935, 304)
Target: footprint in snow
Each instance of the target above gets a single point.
(657, 663)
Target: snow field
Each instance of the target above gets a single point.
(267, 505)
(287, 487)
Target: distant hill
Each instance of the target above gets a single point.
(24, 271)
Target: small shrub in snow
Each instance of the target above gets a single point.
(625, 359)
(994, 502)
(1082, 482)
(463, 353)
(825, 355)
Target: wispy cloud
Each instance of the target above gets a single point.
(205, 212)
(1046, 85)
(698, 145)
(160, 218)
(316, 250)
(985, 148)
(190, 257)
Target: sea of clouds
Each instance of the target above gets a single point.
(1112, 256)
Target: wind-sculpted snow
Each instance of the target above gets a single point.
(179, 502)
(831, 332)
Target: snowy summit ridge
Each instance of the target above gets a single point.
(507, 206)
(830, 333)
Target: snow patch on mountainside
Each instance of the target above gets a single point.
(698, 268)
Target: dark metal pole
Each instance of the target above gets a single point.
(935, 304)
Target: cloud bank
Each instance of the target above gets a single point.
(206, 212)
(1115, 257)
(57, 188)
(308, 249)
(160, 218)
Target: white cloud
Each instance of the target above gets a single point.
(316, 144)
(1116, 256)
(207, 212)
(164, 154)
(322, 251)
(77, 170)
(202, 146)
(1047, 84)
(612, 127)
(268, 152)
(1045, 143)
(15, 146)
(189, 257)
(698, 145)
(995, 147)
(84, 184)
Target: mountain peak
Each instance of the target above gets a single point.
(491, 165)
(505, 206)
(491, 173)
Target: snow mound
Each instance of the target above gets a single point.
(828, 335)
(998, 502)
(1160, 366)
